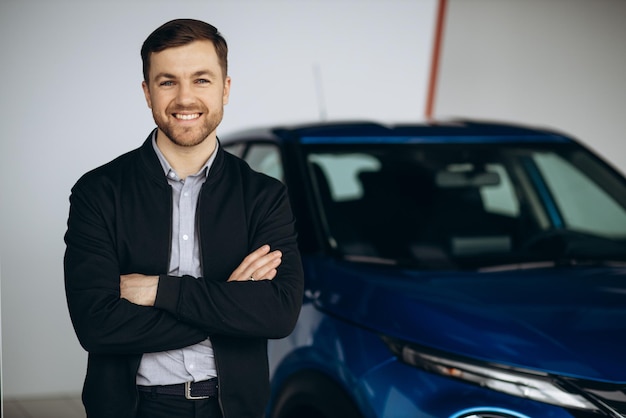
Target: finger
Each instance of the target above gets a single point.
(257, 269)
(268, 270)
(271, 274)
(268, 276)
(248, 260)
(261, 266)
(258, 253)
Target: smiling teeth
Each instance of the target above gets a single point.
(188, 117)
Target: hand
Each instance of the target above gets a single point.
(258, 265)
(139, 289)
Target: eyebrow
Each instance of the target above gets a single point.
(199, 73)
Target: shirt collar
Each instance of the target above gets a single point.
(169, 171)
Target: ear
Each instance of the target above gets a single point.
(146, 92)
(226, 95)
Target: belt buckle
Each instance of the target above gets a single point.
(188, 393)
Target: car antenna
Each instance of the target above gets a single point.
(319, 90)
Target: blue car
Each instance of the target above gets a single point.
(457, 270)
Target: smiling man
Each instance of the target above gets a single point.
(181, 261)
(187, 88)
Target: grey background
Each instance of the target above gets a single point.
(553, 63)
(71, 100)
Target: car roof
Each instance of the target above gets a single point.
(460, 131)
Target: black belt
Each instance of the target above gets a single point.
(190, 390)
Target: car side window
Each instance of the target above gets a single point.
(265, 158)
(577, 196)
(236, 148)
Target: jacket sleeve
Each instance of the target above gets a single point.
(265, 308)
(103, 322)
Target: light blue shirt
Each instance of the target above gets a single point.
(194, 363)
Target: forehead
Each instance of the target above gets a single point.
(185, 60)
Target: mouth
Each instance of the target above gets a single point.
(187, 116)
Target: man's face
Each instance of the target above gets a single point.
(187, 92)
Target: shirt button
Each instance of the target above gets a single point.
(172, 174)
(185, 237)
(186, 194)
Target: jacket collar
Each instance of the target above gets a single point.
(154, 170)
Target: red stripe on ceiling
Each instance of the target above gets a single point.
(434, 64)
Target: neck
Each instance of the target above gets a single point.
(186, 161)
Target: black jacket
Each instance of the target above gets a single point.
(120, 223)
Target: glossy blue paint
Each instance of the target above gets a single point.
(397, 390)
(462, 132)
(567, 320)
(442, 139)
(561, 320)
(382, 386)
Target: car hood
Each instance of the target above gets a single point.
(570, 321)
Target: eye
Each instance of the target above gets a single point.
(166, 83)
(203, 81)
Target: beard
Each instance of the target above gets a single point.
(189, 136)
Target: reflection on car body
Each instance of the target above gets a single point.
(452, 270)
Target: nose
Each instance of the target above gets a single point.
(184, 94)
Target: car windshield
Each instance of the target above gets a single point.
(469, 206)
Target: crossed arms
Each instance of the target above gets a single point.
(261, 264)
(114, 312)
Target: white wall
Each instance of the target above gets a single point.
(71, 100)
(554, 63)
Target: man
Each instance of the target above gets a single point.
(181, 261)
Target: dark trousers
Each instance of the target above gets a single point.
(164, 406)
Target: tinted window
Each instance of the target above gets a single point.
(265, 158)
(344, 170)
(236, 148)
(584, 205)
(468, 205)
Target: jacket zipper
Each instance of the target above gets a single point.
(169, 241)
(199, 235)
(169, 251)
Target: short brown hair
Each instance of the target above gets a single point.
(181, 32)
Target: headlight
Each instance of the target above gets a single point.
(513, 381)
